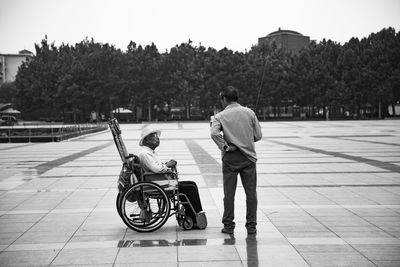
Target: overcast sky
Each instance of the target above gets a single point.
(235, 24)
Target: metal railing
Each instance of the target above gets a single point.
(47, 132)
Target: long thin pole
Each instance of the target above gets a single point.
(262, 81)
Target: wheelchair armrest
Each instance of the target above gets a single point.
(173, 173)
(159, 176)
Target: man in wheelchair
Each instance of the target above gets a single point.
(150, 162)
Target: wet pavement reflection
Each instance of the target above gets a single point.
(251, 242)
(251, 250)
(175, 243)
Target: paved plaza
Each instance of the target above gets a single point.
(328, 195)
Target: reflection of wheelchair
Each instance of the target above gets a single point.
(145, 200)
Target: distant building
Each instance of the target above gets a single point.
(286, 39)
(9, 64)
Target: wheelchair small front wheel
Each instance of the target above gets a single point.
(187, 223)
(145, 207)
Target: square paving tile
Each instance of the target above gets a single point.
(336, 259)
(86, 256)
(211, 253)
(153, 255)
(27, 258)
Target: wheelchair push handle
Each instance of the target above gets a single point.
(129, 156)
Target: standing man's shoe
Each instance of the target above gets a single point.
(227, 231)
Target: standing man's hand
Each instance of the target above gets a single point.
(229, 148)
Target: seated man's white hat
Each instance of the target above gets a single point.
(145, 132)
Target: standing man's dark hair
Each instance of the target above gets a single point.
(234, 130)
(230, 94)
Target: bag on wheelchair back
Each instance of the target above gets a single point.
(125, 176)
(124, 179)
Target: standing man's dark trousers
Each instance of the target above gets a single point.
(234, 163)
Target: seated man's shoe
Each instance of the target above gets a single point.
(228, 231)
(201, 220)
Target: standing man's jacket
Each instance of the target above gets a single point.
(240, 127)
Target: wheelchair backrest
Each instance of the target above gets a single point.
(116, 132)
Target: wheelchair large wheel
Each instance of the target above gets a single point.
(144, 207)
(118, 203)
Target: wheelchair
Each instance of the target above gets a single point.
(145, 201)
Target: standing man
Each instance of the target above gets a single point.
(235, 130)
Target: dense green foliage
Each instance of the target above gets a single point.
(90, 76)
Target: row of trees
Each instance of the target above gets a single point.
(90, 76)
